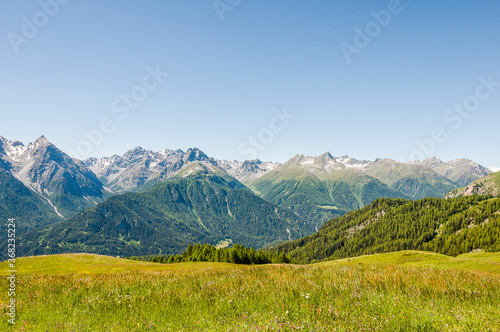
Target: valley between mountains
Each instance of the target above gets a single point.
(157, 203)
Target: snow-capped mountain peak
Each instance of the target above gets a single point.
(42, 141)
(195, 154)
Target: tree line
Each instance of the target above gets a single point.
(237, 254)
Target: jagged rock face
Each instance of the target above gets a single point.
(140, 168)
(60, 181)
(5, 166)
(54, 171)
(196, 155)
(44, 167)
(247, 170)
(432, 162)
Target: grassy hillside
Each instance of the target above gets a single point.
(93, 264)
(448, 226)
(477, 261)
(405, 291)
(487, 185)
(416, 181)
(81, 263)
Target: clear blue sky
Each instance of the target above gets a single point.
(228, 77)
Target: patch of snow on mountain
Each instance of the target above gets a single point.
(271, 165)
(307, 161)
(351, 163)
(332, 165)
(15, 149)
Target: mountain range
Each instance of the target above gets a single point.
(139, 168)
(200, 204)
(42, 186)
(320, 188)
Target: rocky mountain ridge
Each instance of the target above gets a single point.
(64, 183)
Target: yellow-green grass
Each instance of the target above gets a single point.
(478, 261)
(404, 291)
(90, 263)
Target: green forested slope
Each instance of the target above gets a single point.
(447, 226)
(29, 209)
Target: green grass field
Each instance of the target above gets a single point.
(403, 291)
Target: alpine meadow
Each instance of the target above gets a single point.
(236, 165)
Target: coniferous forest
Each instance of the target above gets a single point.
(447, 226)
(237, 254)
